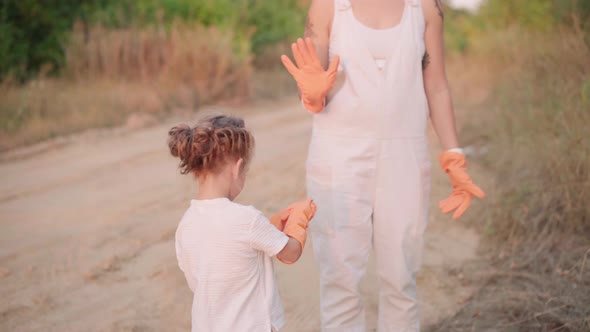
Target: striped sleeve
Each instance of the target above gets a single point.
(182, 264)
(265, 237)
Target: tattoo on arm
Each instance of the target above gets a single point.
(425, 60)
(439, 7)
(309, 29)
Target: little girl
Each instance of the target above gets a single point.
(224, 248)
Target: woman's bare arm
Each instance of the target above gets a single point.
(435, 79)
(318, 25)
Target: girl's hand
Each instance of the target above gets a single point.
(313, 81)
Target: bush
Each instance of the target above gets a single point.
(535, 129)
(464, 29)
(111, 74)
(35, 33)
(270, 21)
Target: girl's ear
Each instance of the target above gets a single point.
(237, 168)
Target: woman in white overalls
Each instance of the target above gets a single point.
(368, 167)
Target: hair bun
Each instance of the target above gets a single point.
(210, 144)
(178, 137)
(204, 141)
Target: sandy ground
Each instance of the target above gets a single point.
(86, 242)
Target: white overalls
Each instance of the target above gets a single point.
(368, 170)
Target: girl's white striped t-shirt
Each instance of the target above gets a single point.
(225, 251)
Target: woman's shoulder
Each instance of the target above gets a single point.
(325, 4)
(322, 10)
(433, 10)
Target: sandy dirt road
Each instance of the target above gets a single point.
(87, 229)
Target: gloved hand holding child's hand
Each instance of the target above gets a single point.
(294, 219)
(279, 219)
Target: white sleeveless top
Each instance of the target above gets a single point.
(379, 42)
(369, 102)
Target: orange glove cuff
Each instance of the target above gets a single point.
(294, 221)
(452, 160)
(314, 108)
(296, 228)
(298, 220)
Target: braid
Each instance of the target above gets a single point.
(209, 145)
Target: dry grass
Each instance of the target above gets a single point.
(204, 60)
(535, 126)
(111, 74)
(273, 84)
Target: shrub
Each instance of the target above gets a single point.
(34, 34)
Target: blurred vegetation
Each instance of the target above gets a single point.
(463, 29)
(147, 43)
(265, 22)
(34, 34)
(533, 128)
(69, 65)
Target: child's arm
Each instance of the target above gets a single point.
(291, 253)
(266, 238)
(293, 221)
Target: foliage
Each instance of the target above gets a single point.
(111, 75)
(534, 128)
(464, 29)
(272, 21)
(34, 33)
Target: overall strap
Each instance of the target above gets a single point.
(342, 8)
(340, 5)
(417, 21)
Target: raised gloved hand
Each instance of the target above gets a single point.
(455, 165)
(313, 81)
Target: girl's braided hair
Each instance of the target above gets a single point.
(210, 144)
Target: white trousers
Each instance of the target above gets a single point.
(369, 193)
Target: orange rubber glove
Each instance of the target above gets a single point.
(279, 219)
(313, 81)
(455, 165)
(300, 214)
